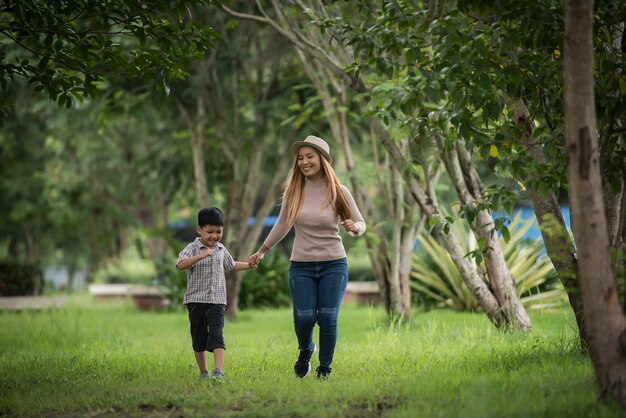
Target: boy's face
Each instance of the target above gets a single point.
(210, 235)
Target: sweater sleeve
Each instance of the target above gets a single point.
(279, 230)
(355, 214)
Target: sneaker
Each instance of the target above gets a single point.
(303, 365)
(205, 375)
(323, 372)
(217, 376)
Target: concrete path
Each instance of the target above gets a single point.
(19, 303)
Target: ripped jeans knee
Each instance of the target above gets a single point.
(305, 316)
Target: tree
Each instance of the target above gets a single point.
(522, 62)
(323, 62)
(240, 91)
(70, 49)
(123, 165)
(25, 204)
(502, 305)
(509, 111)
(604, 318)
(45, 208)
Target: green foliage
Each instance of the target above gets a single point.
(88, 182)
(70, 49)
(129, 269)
(437, 280)
(73, 183)
(359, 263)
(79, 183)
(452, 69)
(39, 199)
(174, 280)
(267, 286)
(20, 279)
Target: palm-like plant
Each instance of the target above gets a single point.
(436, 277)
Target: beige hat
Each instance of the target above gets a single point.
(315, 142)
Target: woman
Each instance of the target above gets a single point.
(314, 201)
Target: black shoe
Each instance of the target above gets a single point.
(303, 365)
(323, 372)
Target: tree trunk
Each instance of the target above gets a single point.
(325, 66)
(403, 236)
(386, 268)
(556, 237)
(604, 319)
(246, 240)
(32, 254)
(620, 246)
(334, 59)
(614, 198)
(430, 207)
(154, 216)
(613, 208)
(196, 126)
(408, 235)
(469, 189)
(71, 276)
(219, 92)
(611, 159)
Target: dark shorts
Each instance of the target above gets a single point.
(206, 322)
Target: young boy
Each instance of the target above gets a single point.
(206, 261)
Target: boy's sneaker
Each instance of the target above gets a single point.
(303, 365)
(323, 372)
(205, 375)
(217, 376)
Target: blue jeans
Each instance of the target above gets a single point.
(317, 289)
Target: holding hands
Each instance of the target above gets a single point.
(256, 258)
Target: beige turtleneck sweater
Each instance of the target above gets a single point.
(317, 226)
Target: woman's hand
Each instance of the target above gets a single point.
(349, 226)
(255, 259)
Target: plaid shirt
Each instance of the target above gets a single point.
(206, 280)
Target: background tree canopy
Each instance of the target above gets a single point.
(71, 49)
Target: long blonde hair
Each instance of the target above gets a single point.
(293, 196)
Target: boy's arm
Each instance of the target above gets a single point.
(188, 262)
(241, 265)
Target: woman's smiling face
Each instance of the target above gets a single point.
(309, 162)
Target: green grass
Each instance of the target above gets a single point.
(93, 359)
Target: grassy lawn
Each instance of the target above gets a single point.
(93, 359)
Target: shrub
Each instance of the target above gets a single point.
(19, 279)
(128, 269)
(438, 282)
(267, 286)
(359, 264)
(174, 280)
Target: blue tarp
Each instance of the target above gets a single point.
(269, 221)
(528, 212)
